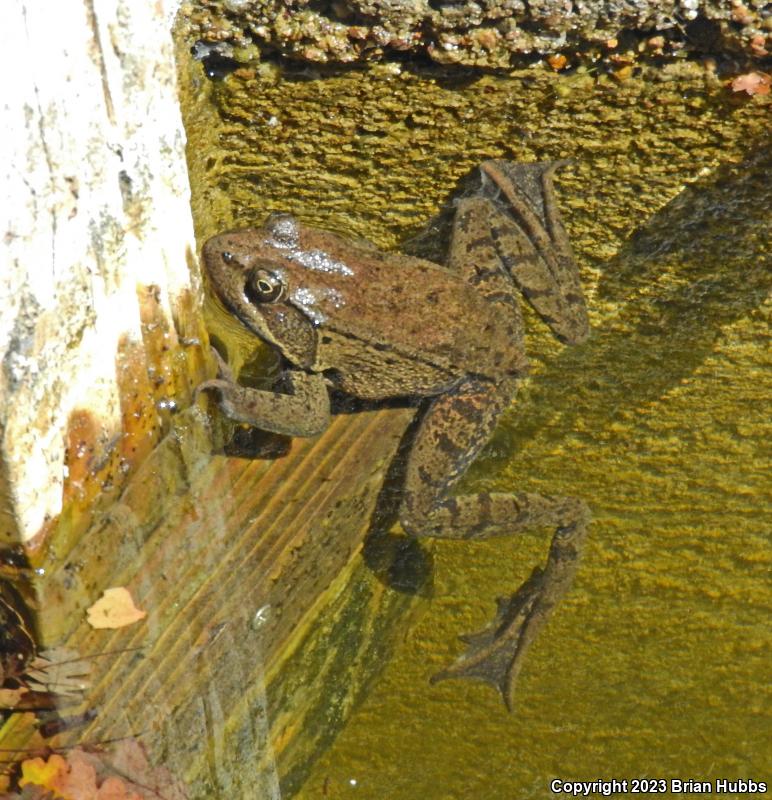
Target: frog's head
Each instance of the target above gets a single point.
(248, 270)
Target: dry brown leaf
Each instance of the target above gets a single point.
(80, 783)
(130, 760)
(116, 789)
(115, 609)
(752, 83)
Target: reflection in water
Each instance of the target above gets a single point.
(399, 561)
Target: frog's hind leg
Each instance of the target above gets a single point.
(496, 653)
(451, 433)
(516, 204)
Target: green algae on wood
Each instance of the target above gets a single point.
(375, 154)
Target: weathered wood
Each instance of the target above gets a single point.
(93, 168)
(235, 562)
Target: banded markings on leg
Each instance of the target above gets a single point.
(533, 246)
(453, 430)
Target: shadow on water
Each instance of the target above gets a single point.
(396, 560)
(697, 265)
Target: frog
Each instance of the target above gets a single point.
(349, 318)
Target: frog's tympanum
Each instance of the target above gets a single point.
(380, 326)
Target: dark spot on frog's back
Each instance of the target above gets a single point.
(448, 444)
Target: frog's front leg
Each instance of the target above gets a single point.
(303, 411)
(451, 433)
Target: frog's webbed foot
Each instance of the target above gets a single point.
(448, 437)
(495, 654)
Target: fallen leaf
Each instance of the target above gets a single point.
(752, 83)
(130, 761)
(9, 698)
(115, 789)
(66, 778)
(124, 774)
(115, 609)
(49, 773)
(80, 783)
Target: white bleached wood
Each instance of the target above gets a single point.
(95, 202)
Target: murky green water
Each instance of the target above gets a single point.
(656, 665)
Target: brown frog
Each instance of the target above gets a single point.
(378, 326)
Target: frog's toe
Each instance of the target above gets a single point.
(495, 654)
(223, 370)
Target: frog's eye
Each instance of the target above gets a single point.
(263, 287)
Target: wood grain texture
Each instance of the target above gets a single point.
(243, 566)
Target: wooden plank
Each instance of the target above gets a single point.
(243, 567)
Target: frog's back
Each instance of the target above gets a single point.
(403, 325)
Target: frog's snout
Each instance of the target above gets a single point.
(217, 249)
(222, 268)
